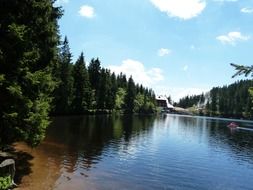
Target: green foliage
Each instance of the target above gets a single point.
(139, 102)
(231, 101)
(2, 78)
(94, 70)
(130, 96)
(214, 103)
(245, 70)
(144, 104)
(242, 70)
(82, 90)
(5, 182)
(234, 100)
(149, 106)
(97, 89)
(190, 101)
(63, 94)
(28, 47)
(36, 76)
(251, 92)
(120, 97)
(122, 81)
(111, 98)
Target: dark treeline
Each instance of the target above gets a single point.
(231, 101)
(90, 88)
(234, 101)
(189, 101)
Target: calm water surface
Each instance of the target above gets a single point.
(141, 152)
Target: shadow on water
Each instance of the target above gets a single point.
(23, 166)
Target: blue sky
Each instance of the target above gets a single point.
(176, 47)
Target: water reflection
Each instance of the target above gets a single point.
(219, 137)
(87, 137)
(141, 152)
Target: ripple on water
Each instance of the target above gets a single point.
(167, 152)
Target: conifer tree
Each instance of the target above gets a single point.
(63, 95)
(242, 70)
(94, 70)
(103, 90)
(28, 47)
(82, 91)
(130, 96)
(122, 81)
(214, 100)
(112, 92)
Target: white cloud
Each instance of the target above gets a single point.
(185, 68)
(184, 9)
(87, 11)
(247, 10)
(232, 38)
(61, 2)
(137, 70)
(163, 51)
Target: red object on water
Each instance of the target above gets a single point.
(233, 125)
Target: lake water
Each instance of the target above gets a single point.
(141, 152)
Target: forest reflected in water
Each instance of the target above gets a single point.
(141, 152)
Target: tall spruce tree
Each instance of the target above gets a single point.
(63, 95)
(122, 81)
(103, 90)
(28, 48)
(94, 70)
(214, 99)
(130, 96)
(112, 92)
(107, 90)
(82, 91)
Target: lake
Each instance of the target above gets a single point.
(141, 152)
